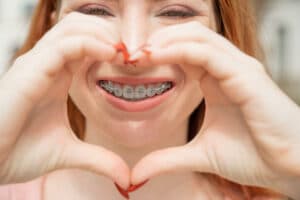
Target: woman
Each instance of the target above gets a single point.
(135, 75)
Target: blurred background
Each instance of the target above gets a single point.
(279, 30)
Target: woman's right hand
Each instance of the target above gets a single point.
(36, 137)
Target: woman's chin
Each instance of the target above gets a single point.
(138, 134)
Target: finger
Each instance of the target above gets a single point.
(86, 18)
(77, 24)
(190, 32)
(185, 158)
(97, 160)
(88, 28)
(232, 74)
(39, 68)
(79, 47)
(54, 57)
(194, 54)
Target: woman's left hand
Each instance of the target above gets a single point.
(251, 130)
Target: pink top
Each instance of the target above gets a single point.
(23, 191)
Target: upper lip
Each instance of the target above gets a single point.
(137, 81)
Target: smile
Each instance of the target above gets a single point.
(135, 96)
(135, 92)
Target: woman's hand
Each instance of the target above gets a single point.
(36, 136)
(251, 130)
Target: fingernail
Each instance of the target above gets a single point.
(121, 47)
(135, 187)
(122, 191)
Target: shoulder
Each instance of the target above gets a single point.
(22, 191)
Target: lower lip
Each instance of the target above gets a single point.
(136, 106)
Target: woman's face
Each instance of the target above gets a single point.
(140, 115)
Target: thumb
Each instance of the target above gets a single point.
(189, 157)
(96, 159)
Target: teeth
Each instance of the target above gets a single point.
(110, 87)
(128, 92)
(151, 91)
(140, 92)
(135, 93)
(118, 92)
(159, 89)
(167, 85)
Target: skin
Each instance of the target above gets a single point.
(136, 134)
(79, 48)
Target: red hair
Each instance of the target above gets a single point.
(235, 21)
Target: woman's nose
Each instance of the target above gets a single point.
(134, 29)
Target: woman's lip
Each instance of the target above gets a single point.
(135, 106)
(137, 81)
